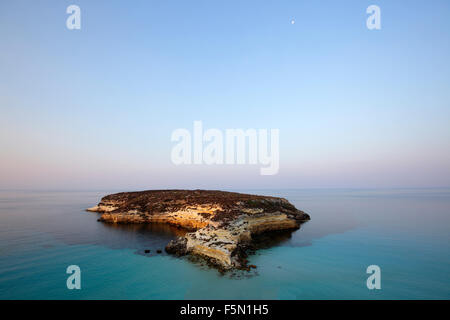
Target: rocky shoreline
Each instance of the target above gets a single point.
(221, 223)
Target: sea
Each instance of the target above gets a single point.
(403, 232)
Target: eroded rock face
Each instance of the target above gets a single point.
(222, 223)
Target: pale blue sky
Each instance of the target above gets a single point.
(94, 108)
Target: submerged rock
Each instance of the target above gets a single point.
(177, 247)
(222, 223)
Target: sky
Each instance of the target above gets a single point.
(95, 108)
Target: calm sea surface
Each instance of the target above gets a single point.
(405, 232)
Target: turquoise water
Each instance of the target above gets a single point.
(405, 232)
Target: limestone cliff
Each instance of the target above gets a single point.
(222, 223)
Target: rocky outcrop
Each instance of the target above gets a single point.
(222, 223)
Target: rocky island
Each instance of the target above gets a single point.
(221, 223)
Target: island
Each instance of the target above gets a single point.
(220, 224)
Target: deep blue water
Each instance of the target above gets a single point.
(405, 232)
